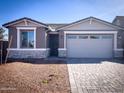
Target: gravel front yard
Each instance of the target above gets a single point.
(19, 77)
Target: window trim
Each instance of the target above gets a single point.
(18, 36)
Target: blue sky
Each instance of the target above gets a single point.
(60, 11)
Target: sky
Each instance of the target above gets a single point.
(60, 11)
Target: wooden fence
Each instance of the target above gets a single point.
(3, 49)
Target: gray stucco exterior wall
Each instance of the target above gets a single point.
(13, 32)
(120, 39)
(61, 39)
(40, 37)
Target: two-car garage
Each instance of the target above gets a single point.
(90, 38)
(89, 45)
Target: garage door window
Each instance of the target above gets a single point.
(83, 37)
(107, 37)
(94, 37)
(71, 36)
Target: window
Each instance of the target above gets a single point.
(27, 39)
(71, 36)
(83, 37)
(106, 36)
(94, 37)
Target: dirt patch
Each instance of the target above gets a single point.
(19, 77)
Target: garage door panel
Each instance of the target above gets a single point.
(89, 48)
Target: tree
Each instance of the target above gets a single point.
(2, 33)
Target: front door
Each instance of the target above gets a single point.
(53, 44)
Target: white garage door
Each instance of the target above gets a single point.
(89, 46)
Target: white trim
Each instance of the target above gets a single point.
(34, 38)
(119, 49)
(18, 40)
(62, 49)
(115, 41)
(65, 40)
(92, 32)
(25, 28)
(28, 49)
(91, 20)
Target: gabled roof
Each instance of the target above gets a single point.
(24, 18)
(91, 18)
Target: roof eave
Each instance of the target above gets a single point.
(6, 25)
(117, 27)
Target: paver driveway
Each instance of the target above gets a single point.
(96, 75)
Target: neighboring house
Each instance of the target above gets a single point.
(87, 38)
(119, 20)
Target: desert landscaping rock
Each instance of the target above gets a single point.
(19, 77)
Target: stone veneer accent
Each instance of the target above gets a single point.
(45, 53)
(62, 53)
(28, 53)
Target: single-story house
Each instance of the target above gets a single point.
(87, 38)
